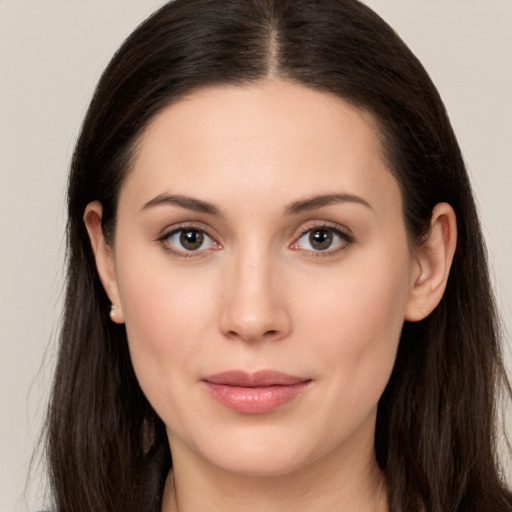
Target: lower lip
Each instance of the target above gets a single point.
(255, 400)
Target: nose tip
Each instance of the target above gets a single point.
(254, 306)
(254, 328)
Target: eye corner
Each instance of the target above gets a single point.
(186, 241)
(327, 236)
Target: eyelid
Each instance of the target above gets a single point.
(327, 224)
(166, 233)
(343, 232)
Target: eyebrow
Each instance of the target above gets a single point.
(189, 203)
(315, 202)
(304, 205)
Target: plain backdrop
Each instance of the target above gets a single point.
(51, 55)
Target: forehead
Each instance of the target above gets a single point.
(259, 139)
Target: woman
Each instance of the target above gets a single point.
(277, 292)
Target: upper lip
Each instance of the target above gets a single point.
(260, 378)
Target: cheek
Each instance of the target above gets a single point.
(167, 314)
(356, 318)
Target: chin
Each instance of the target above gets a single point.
(260, 451)
(264, 463)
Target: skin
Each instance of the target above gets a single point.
(257, 295)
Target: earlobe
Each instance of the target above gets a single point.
(433, 261)
(104, 257)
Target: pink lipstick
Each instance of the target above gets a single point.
(254, 393)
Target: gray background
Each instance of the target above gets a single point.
(51, 55)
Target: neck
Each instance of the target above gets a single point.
(352, 483)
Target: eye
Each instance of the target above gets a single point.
(188, 240)
(322, 239)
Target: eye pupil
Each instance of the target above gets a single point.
(320, 239)
(191, 239)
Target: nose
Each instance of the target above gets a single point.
(254, 303)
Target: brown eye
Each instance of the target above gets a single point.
(321, 239)
(191, 239)
(184, 241)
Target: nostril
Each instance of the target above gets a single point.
(252, 324)
(271, 333)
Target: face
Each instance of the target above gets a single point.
(263, 271)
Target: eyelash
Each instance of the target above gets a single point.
(164, 241)
(345, 240)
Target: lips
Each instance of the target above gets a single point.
(254, 393)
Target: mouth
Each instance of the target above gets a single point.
(254, 393)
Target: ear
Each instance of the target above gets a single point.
(433, 261)
(104, 257)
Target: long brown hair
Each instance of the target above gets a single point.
(436, 426)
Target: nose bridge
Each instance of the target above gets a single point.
(254, 306)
